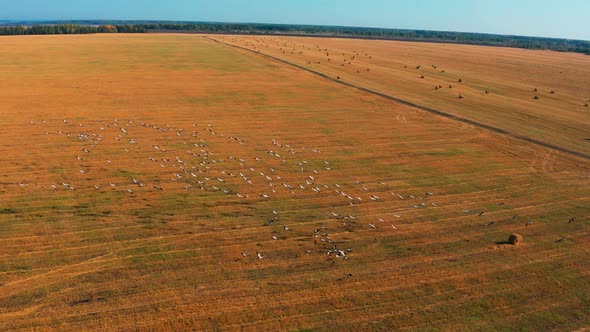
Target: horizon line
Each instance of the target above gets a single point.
(282, 24)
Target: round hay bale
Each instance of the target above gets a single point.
(515, 239)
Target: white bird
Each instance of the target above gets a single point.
(259, 255)
(373, 226)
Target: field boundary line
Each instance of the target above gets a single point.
(416, 106)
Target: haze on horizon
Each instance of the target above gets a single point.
(542, 18)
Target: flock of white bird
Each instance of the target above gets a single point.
(185, 161)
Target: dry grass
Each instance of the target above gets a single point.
(168, 254)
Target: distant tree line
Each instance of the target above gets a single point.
(68, 29)
(83, 27)
(564, 45)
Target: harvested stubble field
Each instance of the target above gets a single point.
(538, 94)
(169, 182)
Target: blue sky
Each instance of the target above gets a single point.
(548, 18)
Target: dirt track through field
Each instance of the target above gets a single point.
(414, 105)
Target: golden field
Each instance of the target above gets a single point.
(489, 85)
(169, 182)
